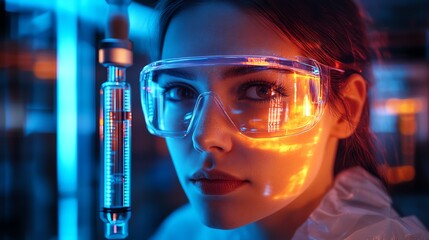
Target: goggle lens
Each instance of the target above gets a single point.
(263, 98)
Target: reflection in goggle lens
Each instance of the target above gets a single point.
(262, 97)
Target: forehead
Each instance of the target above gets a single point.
(220, 28)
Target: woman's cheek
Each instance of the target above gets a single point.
(283, 169)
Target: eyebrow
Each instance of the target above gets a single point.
(242, 70)
(232, 71)
(179, 73)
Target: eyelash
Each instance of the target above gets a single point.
(171, 85)
(280, 88)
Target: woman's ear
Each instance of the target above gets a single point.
(350, 106)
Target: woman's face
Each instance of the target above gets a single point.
(230, 179)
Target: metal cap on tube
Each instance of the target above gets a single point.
(115, 52)
(116, 48)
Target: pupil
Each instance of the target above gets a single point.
(263, 92)
(185, 93)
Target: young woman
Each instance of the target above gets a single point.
(263, 104)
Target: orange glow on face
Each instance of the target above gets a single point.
(294, 185)
(282, 146)
(276, 146)
(302, 151)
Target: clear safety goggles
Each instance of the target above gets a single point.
(262, 96)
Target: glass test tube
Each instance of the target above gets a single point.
(115, 134)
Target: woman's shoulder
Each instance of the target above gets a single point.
(359, 207)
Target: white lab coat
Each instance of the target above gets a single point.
(356, 207)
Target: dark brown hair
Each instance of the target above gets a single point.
(333, 33)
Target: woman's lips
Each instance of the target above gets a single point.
(215, 182)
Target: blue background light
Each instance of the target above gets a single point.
(49, 98)
(67, 114)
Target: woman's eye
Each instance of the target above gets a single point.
(261, 92)
(179, 93)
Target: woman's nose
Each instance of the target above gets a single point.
(212, 128)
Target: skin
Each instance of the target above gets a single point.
(285, 177)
